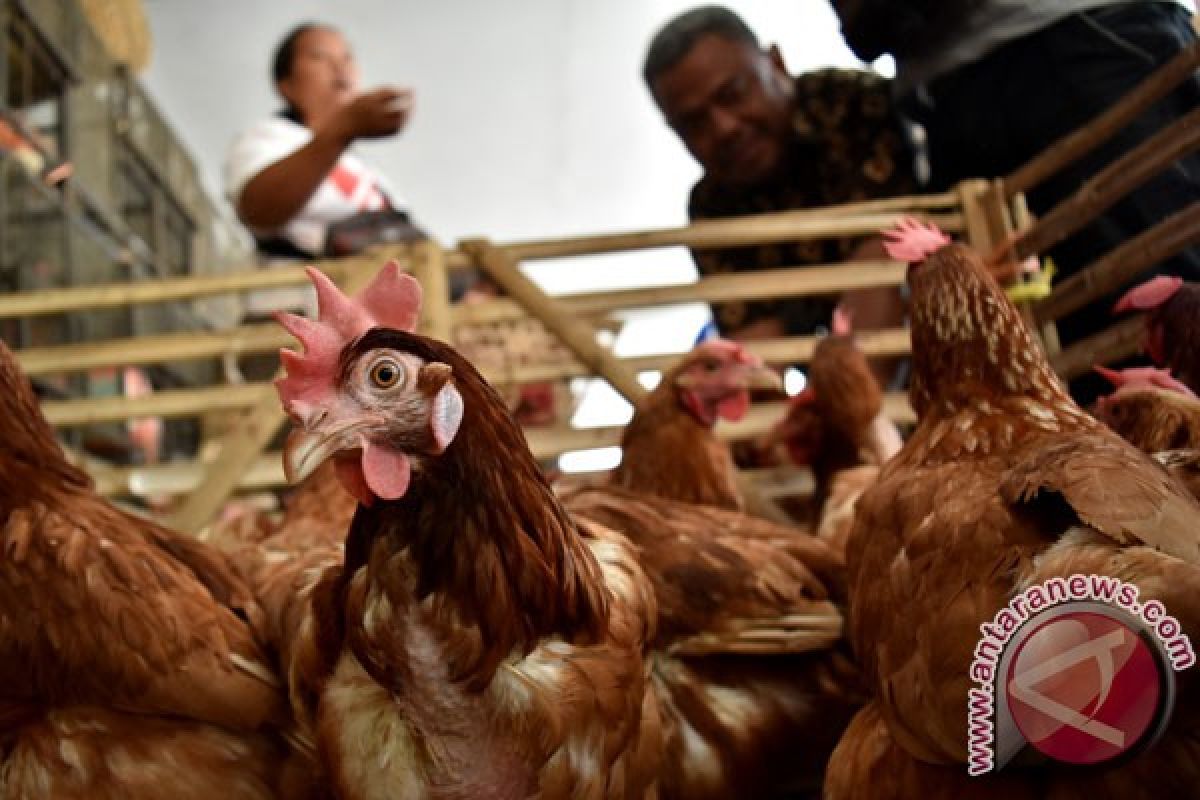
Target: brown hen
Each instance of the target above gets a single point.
(127, 666)
(1151, 412)
(1172, 324)
(838, 427)
(489, 643)
(669, 448)
(1004, 484)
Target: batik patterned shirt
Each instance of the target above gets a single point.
(849, 146)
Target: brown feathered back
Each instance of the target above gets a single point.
(968, 341)
(30, 458)
(99, 606)
(847, 395)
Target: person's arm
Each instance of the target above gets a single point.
(278, 192)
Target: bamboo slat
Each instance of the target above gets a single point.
(783, 226)
(975, 224)
(165, 290)
(167, 403)
(834, 221)
(182, 478)
(429, 268)
(575, 334)
(1111, 184)
(1122, 340)
(120, 295)
(161, 348)
(802, 281)
(1078, 144)
(1118, 267)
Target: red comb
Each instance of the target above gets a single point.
(391, 300)
(730, 349)
(842, 325)
(1151, 294)
(1138, 377)
(912, 241)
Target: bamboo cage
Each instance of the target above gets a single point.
(237, 461)
(1133, 258)
(990, 215)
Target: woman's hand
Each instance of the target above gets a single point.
(279, 192)
(372, 115)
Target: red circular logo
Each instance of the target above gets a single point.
(1084, 688)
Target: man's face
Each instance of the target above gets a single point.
(731, 104)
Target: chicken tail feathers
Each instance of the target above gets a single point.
(818, 629)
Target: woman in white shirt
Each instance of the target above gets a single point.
(292, 176)
(288, 173)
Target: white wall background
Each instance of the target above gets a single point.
(531, 119)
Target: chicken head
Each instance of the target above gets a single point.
(715, 379)
(360, 397)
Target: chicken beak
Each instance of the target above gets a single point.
(306, 450)
(763, 377)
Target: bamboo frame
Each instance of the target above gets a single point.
(577, 335)
(158, 349)
(239, 461)
(1078, 144)
(268, 337)
(1112, 183)
(783, 226)
(1120, 341)
(1118, 267)
(429, 268)
(820, 279)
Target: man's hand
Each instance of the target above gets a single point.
(373, 115)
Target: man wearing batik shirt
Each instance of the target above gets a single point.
(771, 142)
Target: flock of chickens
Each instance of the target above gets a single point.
(433, 619)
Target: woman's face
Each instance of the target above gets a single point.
(324, 76)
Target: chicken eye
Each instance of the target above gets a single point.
(386, 373)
